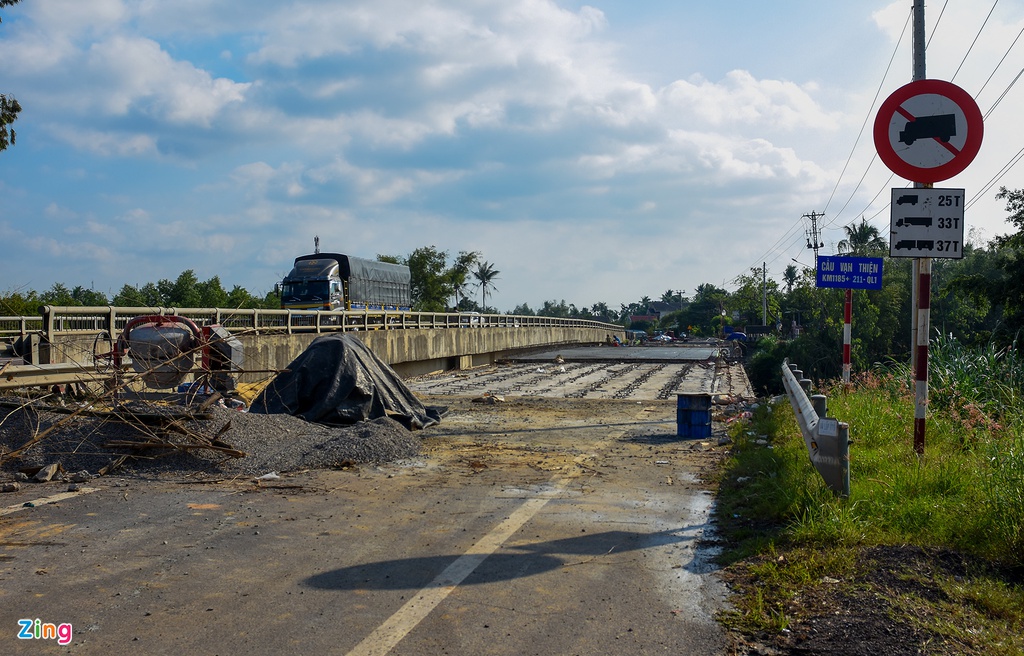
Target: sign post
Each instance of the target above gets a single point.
(849, 273)
(926, 131)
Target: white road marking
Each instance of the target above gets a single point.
(391, 632)
(45, 500)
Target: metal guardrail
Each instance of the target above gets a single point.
(64, 320)
(827, 439)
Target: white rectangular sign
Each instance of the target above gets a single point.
(927, 223)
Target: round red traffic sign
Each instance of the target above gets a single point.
(928, 130)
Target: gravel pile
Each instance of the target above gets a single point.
(271, 443)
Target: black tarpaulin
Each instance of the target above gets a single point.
(337, 380)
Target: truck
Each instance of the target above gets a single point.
(923, 221)
(334, 281)
(941, 127)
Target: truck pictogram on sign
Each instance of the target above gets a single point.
(941, 127)
(914, 220)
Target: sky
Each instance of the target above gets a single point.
(592, 152)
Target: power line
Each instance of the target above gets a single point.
(790, 238)
(992, 74)
(767, 256)
(867, 118)
(976, 36)
(936, 26)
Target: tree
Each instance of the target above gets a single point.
(88, 297)
(129, 296)
(749, 298)
(702, 315)
(20, 304)
(791, 275)
(555, 309)
(603, 312)
(434, 282)
(240, 298)
(862, 239)
(9, 106)
(1006, 290)
(431, 284)
(59, 294)
(485, 273)
(183, 292)
(212, 294)
(459, 276)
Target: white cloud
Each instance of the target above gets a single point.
(228, 134)
(138, 75)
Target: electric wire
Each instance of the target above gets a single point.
(992, 74)
(936, 26)
(1014, 160)
(867, 119)
(998, 176)
(1003, 94)
(892, 58)
(976, 37)
(791, 238)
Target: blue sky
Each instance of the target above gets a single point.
(592, 151)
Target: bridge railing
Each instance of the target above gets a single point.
(20, 326)
(66, 320)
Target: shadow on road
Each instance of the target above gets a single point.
(415, 573)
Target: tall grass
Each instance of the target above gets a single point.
(966, 492)
(789, 533)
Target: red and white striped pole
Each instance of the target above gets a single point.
(847, 334)
(923, 280)
(924, 287)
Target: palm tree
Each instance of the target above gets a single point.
(790, 276)
(484, 274)
(459, 273)
(862, 239)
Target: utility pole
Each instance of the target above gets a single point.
(764, 291)
(813, 239)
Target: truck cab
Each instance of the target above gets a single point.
(313, 284)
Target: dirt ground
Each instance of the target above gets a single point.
(882, 607)
(494, 430)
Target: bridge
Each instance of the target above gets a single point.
(62, 343)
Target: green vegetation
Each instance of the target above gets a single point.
(9, 106)
(977, 300)
(961, 506)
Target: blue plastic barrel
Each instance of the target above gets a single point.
(693, 415)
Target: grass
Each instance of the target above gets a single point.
(787, 533)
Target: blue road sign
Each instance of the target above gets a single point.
(848, 272)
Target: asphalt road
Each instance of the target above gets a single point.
(544, 526)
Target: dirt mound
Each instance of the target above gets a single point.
(138, 442)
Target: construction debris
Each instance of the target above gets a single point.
(218, 443)
(338, 381)
(47, 473)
